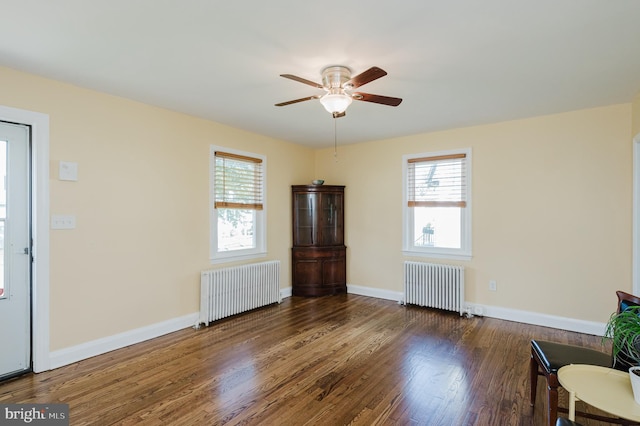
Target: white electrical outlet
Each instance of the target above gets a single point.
(493, 286)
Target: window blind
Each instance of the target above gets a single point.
(238, 181)
(438, 181)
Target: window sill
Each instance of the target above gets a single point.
(236, 257)
(438, 254)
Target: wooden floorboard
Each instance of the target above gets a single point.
(337, 360)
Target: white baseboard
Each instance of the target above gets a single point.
(286, 292)
(526, 317)
(545, 320)
(90, 349)
(375, 292)
(93, 348)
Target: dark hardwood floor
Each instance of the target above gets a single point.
(336, 360)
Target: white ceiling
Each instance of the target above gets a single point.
(454, 62)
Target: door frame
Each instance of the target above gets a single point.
(39, 135)
(635, 275)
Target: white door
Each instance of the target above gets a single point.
(15, 251)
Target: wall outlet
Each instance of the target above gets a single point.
(493, 286)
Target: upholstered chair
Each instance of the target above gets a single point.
(548, 357)
(566, 422)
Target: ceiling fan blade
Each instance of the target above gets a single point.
(365, 77)
(377, 99)
(295, 101)
(302, 80)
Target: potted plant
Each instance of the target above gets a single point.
(624, 330)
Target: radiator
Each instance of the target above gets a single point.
(229, 291)
(434, 285)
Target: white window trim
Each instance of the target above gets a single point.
(464, 253)
(261, 215)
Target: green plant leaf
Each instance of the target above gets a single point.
(624, 330)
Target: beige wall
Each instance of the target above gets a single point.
(551, 207)
(551, 210)
(141, 204)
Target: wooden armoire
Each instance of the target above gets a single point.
(319, 256)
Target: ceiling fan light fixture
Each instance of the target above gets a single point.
(338, 83)
(336, 102)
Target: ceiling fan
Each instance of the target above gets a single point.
(338, 85)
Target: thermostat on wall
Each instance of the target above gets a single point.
(68, 171)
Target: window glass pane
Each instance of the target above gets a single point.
(437, 227)
(236, 229)
(238, 182)
(238, 215)
(437, 181)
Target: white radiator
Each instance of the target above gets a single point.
(434, 285)
(229, 291)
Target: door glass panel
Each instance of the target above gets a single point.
(3, 212)
(15, 259)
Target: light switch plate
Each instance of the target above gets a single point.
(63, 222)
(68, 171)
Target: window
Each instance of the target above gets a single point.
(437, 204)
(237, 205)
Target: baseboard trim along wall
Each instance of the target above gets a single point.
(533, 318)
(90, 349)
(286, 292)
(375, 292)
(93, 348)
